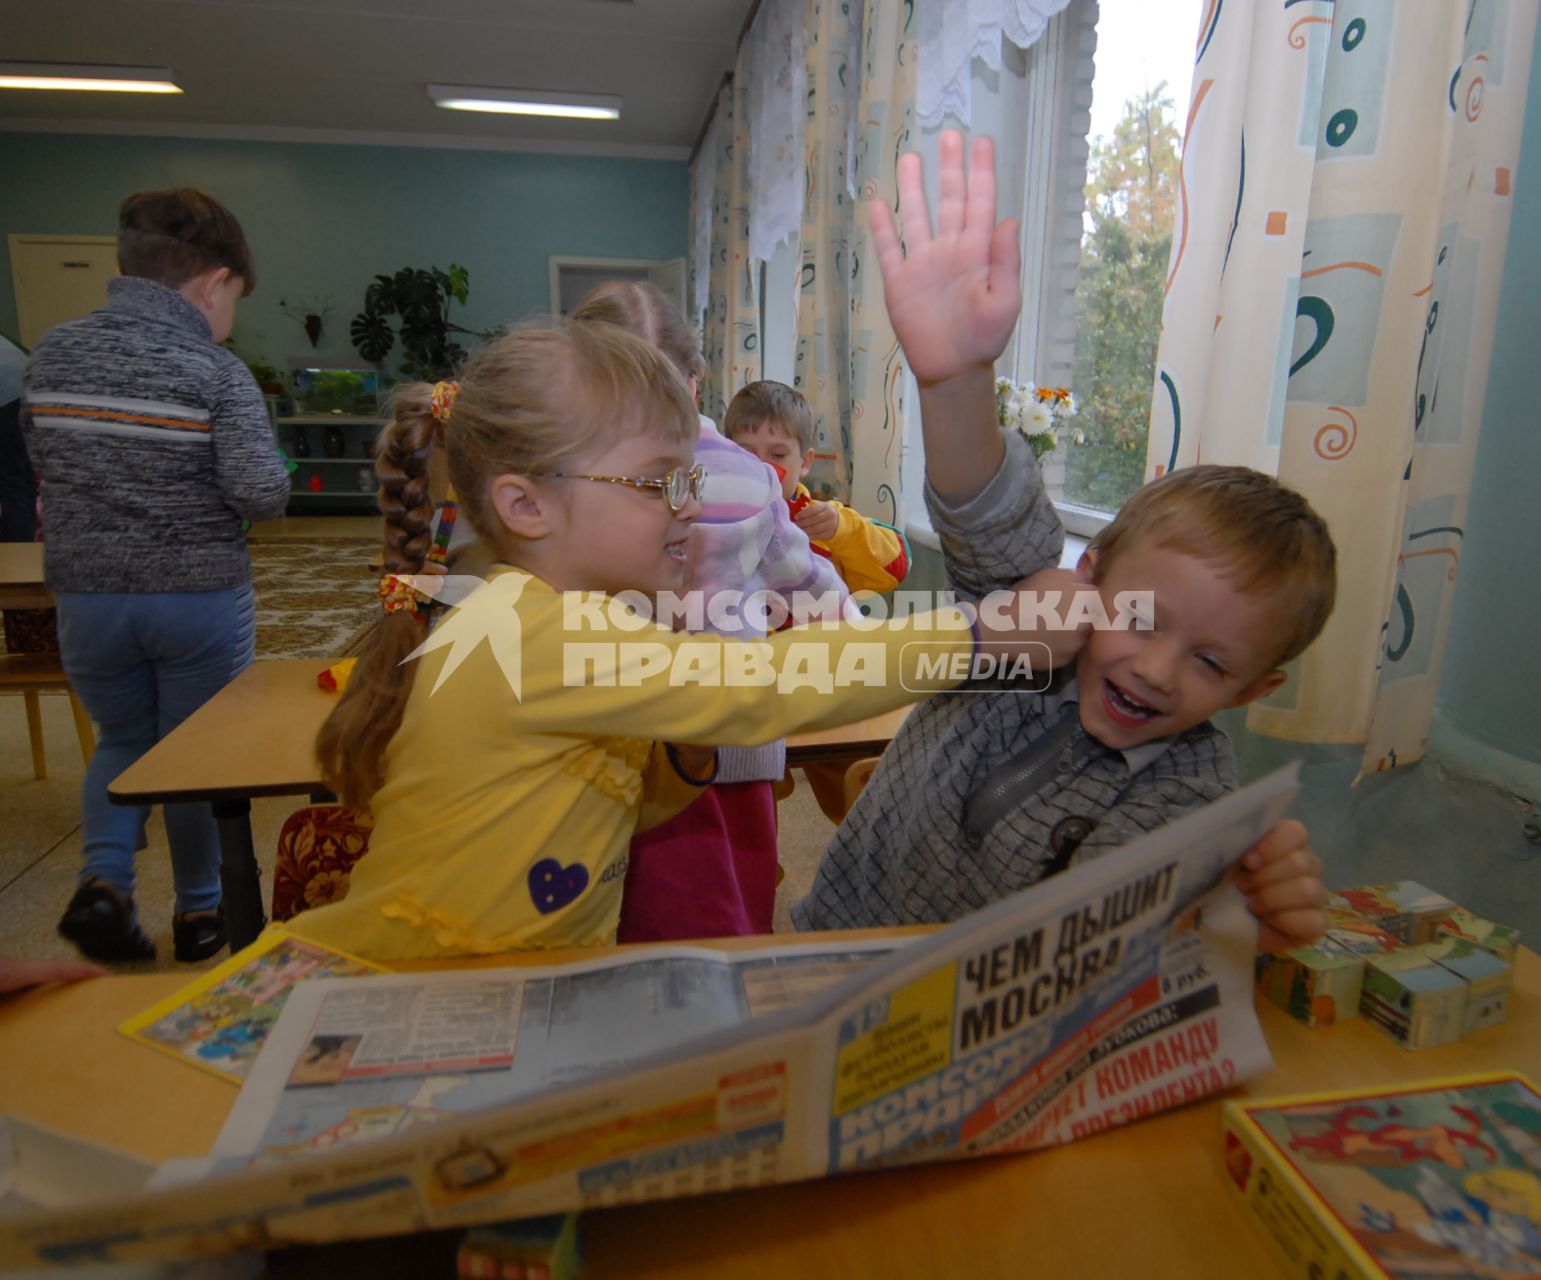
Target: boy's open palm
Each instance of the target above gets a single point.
(953, 291)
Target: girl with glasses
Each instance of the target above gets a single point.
(509, 755)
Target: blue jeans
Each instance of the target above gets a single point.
(141, 664)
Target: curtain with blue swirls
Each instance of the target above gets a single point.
(1343, 213)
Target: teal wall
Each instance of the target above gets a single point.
(1489, 690)
(323, 220)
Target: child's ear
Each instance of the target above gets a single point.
(1086, 566)
(1259, 688)
(522, 508)
(807, 463)
(201, 289)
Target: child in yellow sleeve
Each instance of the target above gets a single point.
(509, 755)
(774, 423)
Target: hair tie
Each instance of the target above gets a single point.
(397, 594)
(443, 401)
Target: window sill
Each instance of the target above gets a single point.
(920, 533)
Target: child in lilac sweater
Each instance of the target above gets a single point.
(710, 871)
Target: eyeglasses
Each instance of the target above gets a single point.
(675, 486)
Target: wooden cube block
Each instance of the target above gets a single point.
(1413, 999)
(1488, 978)
(1403, 908)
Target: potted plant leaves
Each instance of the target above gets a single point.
(418, 299)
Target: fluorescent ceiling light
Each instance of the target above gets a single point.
(526, 102)
(87, 77)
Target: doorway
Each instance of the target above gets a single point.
(58, 278)
(571, 278)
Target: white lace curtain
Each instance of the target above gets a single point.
(950, 34)
(776, 50)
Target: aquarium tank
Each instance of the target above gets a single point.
(356, 392)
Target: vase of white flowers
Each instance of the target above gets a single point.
(1039, 413)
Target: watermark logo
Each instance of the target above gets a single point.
(926, 665)
(484, 610)
(624, 641)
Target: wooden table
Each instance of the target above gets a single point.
(21, 577)
(256, 737)
(1146, 1200)
(848, 743)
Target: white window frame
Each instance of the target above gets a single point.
(778, 311)
(1026, 105)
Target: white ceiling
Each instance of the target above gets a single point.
(357, 70)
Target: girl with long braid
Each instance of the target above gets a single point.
(509, 755)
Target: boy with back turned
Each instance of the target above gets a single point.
(153, 445)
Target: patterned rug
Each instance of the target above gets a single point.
(314, 599)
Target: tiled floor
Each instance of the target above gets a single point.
(1459, 835)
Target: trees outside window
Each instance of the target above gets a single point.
(1131, 193)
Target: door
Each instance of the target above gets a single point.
(58, 278)
(571, 278)
(670, 278)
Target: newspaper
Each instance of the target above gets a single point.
(1115, 990)
(358, 1060)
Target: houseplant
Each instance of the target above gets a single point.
(419, 299)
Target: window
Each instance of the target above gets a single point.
(1087, 125)
(1139, 101)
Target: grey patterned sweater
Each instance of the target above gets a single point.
(153, 445)
(903, 855)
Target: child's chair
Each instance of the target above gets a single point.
(316, 852)
(857, 777)
(31, 666)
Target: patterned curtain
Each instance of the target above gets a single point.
(848, 362)
(1344, 205)
(731, 331)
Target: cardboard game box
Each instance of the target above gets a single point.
(1441, 1178)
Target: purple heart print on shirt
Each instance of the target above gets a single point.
(553, 886)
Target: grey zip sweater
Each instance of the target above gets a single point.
(905, 855)
(153, 445)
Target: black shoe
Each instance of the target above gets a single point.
(100, 922)
(199, 934)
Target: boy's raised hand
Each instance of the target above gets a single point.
(953, 291)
